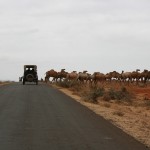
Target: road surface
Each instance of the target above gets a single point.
(39, 117)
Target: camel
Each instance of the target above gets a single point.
(113, 75)
(125, 76)
(135, 75)
(50, 73)
(97, 76)
(145, 75)
(148, 75)
(72, 76)
(90, 78)
(62, 74)
(108, 77)
(116, 75)
(83, 76)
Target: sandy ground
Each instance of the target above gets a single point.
(133, 119)
(4, 83)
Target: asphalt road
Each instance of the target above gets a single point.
(39, 117)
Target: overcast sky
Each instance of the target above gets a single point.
(93, 35)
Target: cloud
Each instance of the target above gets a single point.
(18, 31)
(92, 34)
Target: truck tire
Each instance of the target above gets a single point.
(23, 82)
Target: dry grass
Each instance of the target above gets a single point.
(5, 82)
(92, 93)
(107, 105)
(118, 113)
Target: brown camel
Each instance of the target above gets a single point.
(135, 75)
(108, 77)
(72, 76)
(125, 76)
(145, 76)
(61, 75)
(113, 75)
(83, 76)
(98, 77)
(50, 73)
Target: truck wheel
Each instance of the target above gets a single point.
(23, 82)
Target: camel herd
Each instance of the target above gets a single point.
(84, 77)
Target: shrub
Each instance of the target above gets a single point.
(68, 84)
(64, 84)
(107, 105)
(106, 97)
(118, 113)
(75, 86)
(147, 103)
(93, 94)
(122, 94)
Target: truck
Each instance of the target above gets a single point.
(30, 74)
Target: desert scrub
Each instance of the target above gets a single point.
(93, 94)
(121, 95)
(107, 105)
(64, 84)
(76, 86)
(68, 84)
(147, 103)
(118, 113)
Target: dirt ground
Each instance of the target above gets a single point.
(133, 119)
(4, 83)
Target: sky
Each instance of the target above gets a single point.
(92, 35)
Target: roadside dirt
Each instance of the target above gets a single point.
(4, 83)
(133, 119)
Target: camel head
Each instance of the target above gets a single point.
(85, 71)
(137, 70)
(145, 70)
(62, 70)
(74, 71)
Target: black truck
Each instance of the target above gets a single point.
(30, 74)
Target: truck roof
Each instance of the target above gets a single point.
(30, 66)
